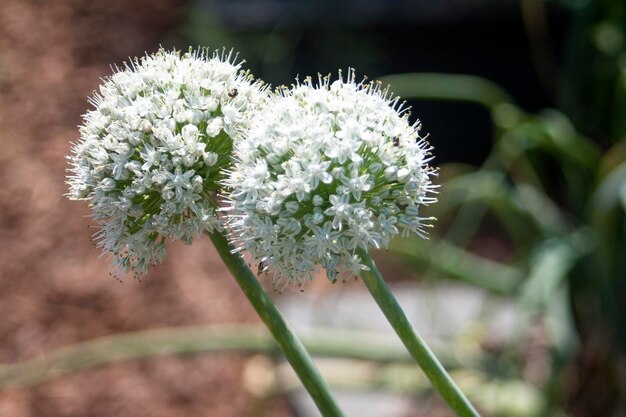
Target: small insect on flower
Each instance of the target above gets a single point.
(324, 169)
(261, 267)
(152, 153)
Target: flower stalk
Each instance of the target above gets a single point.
(418, 349)
(285, 338)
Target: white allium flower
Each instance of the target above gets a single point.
(152, 154)
(322, 171)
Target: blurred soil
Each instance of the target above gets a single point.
(55, 290)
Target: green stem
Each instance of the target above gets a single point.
(193, 340)
(418, 349)
(448, 87)
(287, 341)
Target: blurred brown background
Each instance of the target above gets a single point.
(55, 289)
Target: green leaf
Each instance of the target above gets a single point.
(448, 87)
(456, 263)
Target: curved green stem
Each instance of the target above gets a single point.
(418, 349)
(448, 87)
(194, 340)
(287, 341)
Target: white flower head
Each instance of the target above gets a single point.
(152, 153)
(323, 170)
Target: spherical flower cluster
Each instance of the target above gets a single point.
(152, 154)
(325, 170)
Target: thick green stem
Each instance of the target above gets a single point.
(422, 354)
(287, 341)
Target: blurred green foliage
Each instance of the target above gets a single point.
(555, 185)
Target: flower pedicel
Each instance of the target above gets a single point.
(325, 170)
(151, 154)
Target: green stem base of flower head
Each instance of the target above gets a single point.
(422, 354)
(285, 338)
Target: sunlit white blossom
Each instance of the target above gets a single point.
(323, 170)
(152, 153)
